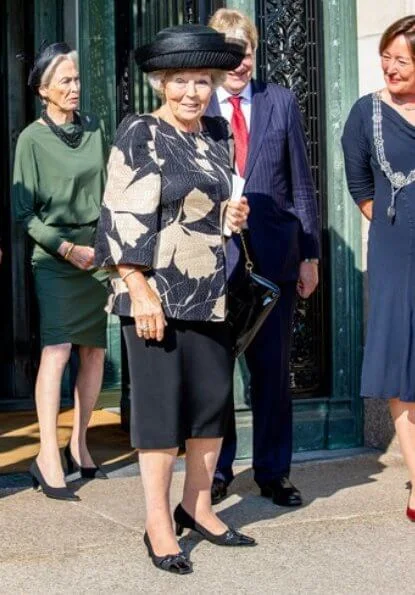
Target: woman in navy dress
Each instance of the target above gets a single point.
(379, 149)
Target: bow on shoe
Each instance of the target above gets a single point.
(177, 563)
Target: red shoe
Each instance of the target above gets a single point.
(410, 513)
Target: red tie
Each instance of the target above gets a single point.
(240, 134)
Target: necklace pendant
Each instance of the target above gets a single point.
(391, 213)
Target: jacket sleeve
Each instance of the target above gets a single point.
(24, 198)
(128, 224)
(302, 184)
(357, 154)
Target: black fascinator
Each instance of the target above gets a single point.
(45, 55)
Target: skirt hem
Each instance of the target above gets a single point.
(200, 435)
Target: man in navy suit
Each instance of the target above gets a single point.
(283, 226)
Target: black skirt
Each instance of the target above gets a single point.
(181, 387)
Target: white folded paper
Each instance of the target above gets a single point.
(238, 185)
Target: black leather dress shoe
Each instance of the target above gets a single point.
(219, 490)
(282, 492)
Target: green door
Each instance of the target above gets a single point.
(294, 38)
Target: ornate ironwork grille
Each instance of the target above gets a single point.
(290, 54)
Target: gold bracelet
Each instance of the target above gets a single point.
(130, 272)
(69, 250)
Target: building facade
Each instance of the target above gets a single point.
(310, 46)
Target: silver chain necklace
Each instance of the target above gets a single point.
(397, 179)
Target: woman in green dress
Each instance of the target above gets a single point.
(59, 177)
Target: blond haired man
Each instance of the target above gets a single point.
(271, 155)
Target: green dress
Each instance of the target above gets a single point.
(57, 192)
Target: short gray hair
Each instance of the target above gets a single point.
(50, 70)
(157, 78)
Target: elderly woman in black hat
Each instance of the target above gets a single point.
(59, 177)
(161, 231)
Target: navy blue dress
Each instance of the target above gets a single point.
(389, 358)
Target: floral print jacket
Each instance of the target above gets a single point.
(163, 209)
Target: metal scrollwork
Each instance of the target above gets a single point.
(289, 57)
(286, 40)
(189, 11)
(123, 33)
(125, 90)
(304, 366)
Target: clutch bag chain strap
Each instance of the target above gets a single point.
(249, 265)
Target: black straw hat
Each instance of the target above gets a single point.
(43, 60)
(190, 46)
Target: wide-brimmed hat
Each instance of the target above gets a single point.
(46, 54)
(188, 47)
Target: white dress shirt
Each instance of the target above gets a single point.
(226, 108)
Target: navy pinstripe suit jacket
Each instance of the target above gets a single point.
(283, 222)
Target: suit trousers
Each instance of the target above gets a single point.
(268, 359)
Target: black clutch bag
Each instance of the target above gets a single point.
(250, 299)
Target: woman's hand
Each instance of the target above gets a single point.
(236, 214)
(366, 208)
(147, 309)
(81, 257)
(148, 314)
